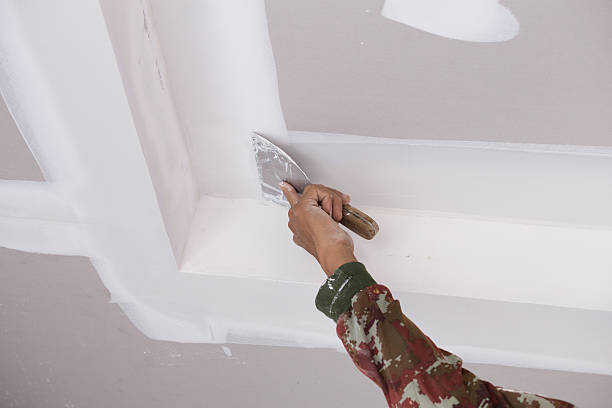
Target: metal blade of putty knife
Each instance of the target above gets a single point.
(274, 166)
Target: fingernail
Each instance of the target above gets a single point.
(282, 185)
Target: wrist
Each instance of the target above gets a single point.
(333, 258)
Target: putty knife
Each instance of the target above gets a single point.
(274, 166)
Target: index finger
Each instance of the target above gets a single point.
(290, 193)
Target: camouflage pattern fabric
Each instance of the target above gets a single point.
(412, 372)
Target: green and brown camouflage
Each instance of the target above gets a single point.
(394, 353)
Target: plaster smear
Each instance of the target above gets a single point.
(467, 20)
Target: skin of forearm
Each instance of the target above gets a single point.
(314, 228)
(332, 257)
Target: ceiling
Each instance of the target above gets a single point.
(154, 181)
(343, 68)
(63, 344)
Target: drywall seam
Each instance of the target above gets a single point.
(43, 236)
(34, 218)
(301, 137)
(33, 200)
(478, 355)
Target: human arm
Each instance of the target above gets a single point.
(394, 353)
(313, 219)
(383, 343)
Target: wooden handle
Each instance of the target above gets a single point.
(358, 222)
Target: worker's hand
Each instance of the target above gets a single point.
(314, 229)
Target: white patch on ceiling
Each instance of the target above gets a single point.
(227, 351)
(467, 20)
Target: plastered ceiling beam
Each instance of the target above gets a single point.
(27, 91)
(61, 83)
(133, 33)
(32, 199)
(415, 251)
(222, 71)
(528, 182)
(34, 218)
(43, 236)
(97, 165)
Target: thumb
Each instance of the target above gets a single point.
(290, 193)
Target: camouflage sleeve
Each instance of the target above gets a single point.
(387, 347)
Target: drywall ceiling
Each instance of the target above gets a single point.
(153, 179)
(343, 68)
(62, 344)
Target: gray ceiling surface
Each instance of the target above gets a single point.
(62, 344)
(343, 68)
(16, 160)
